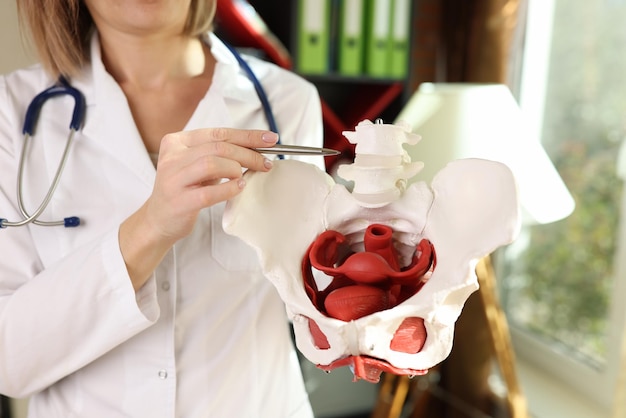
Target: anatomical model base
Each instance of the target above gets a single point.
(375, 277)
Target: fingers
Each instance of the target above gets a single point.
(206, 158)
(244, 138)
(231, 144)
(245, 157)
(208, 169)
(205, 196)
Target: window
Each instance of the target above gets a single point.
(561, 283)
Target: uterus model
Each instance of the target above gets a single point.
(374, 278)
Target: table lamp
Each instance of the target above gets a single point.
(476, 120)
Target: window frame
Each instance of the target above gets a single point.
(597, 385)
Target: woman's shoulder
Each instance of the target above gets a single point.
(26, 82)
(266, 71)
(272, 70)
(17, 90)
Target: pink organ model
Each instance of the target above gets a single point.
(375, 277)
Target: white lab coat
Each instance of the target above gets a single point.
(207, 335)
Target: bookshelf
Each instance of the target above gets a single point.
(346, 100)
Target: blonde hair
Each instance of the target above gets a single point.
(61, 30)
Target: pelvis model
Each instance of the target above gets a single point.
(375, 275)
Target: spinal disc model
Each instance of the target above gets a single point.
(375, 277)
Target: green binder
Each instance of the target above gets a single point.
(400, 38)
(313, 54)
(377, 36)
(351, 37)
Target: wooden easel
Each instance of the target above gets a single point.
(395, 389)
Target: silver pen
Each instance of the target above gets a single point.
(297, 150)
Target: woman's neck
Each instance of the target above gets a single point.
(153, 62)
(163, 80)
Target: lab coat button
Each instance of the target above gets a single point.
(163, 374)
(165, 286)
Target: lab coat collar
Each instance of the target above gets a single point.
(229, 78)
(109, 119)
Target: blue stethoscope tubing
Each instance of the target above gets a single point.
(260, 91)
(63, 87)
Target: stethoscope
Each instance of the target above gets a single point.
(63, 87)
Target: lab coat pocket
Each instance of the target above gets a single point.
(230, 252)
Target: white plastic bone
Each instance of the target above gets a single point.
(470, 209)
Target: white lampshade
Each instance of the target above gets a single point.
(469, 120)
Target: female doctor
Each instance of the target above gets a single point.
(147, 309)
